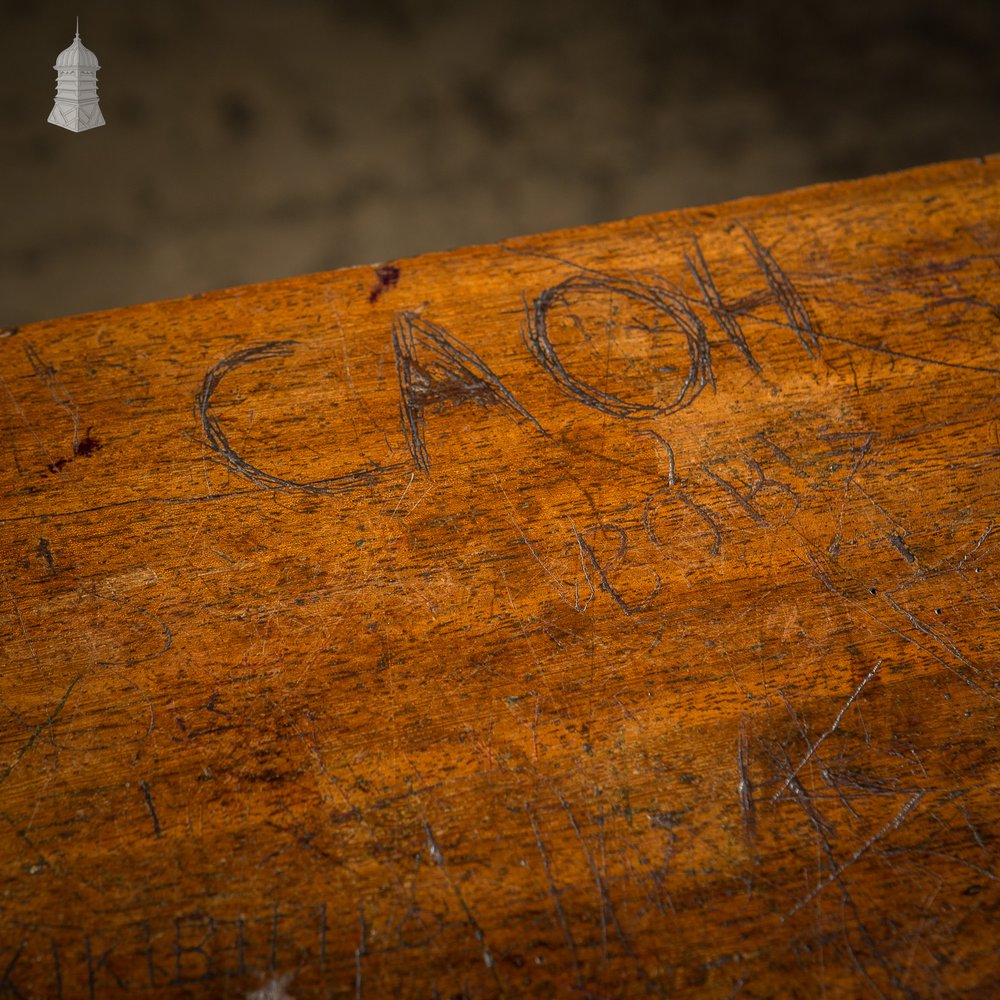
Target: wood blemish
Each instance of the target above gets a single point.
(386, 277)
(900, 546)
(59, 465)
(44, 554)
(87, 445)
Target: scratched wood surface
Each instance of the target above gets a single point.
(606, 613)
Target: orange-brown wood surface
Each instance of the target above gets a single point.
(614, 612)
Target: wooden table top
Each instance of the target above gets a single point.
(614, 612)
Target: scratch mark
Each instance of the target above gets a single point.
(745, 787)
(785, 292)
(893, 824)
(148, 796)
(743, 501)
(358, 397)
(605, 583)
(6, 769)
(862, 453)
(360, 951)
(972, 828)
(403, 494)
(5, 981)
(216, 439)
(20, 619)
(979, 869)
(944, 642)
(678, 298)
(699, 270)
(833, 728)
(27, 423)
(975, 548)
(436, 369)
(824, 577)
(607, 907)
(536, 337)
(149, 712)
(438, 858)
(416, 503)
(698, 509)
(57, 390)
(859, 965)
(554, 893)
(746, 500)
(779, 453)
(823, 831)
(168, 637)
(671, 468)
(890, 352)
(534, 728)
(859, 463)
(575, 603)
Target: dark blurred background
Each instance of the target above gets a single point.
(268, 138)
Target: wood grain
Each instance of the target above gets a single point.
(610, 612)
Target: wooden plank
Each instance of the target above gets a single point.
(607, 612)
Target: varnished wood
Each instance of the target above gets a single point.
(611, 612)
